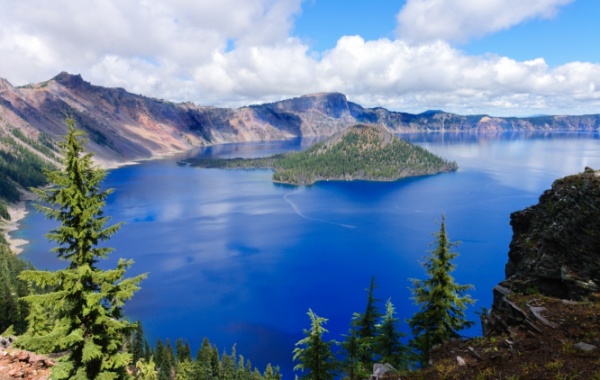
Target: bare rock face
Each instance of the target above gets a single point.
(123, 126)
(555, 247)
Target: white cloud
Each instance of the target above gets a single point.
(461, 20)
(236, 52)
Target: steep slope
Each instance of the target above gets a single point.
(123, 126)
(555, 247)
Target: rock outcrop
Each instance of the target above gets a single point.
(17, 364)
(555, 249)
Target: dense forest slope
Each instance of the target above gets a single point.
(123, 126)
(360, 152)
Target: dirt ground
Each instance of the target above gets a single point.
(552, 351)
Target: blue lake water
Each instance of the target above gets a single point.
(236, 258)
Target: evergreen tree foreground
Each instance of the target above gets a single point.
(80, 312)
(313, 353)
(441, 300)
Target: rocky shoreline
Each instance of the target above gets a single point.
(17, 212)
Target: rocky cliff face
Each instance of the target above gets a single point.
(555, 247)
(124, 126)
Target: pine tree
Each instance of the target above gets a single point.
(204, 368)
(354, 350)
(146, 370)
(183, 351)
(163, 360)
(441, 300)
(313, 353)
(138, 343)
(85, 301)
(387, 342)
(366, 327)
(228, 365)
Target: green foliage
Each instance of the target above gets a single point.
(207, 364)
(235, 163)
(354, 349)
(441, 300)
(146, 370)
(19, 166)
(372, 338)
(81, 313)
(366, 325)
(43, 144)
(4, 213)
(165, 360)
(12, 312)
(363, 152)
(313, 353)
(138, 346)
(387, 341)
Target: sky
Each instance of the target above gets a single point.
(496, 57)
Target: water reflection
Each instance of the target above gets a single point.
(234, 257)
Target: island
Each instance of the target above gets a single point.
(361, 152)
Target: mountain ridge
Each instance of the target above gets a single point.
(124, 127)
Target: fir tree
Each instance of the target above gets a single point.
(228, 365)
(354, 349)
(139, 344)
(387, 342)
(84, 301)
(442, 302)
(272, 373)
(313, 353)
(146, 370)
(183, 351)
(204, 358)
(366, 325)
(164, 363)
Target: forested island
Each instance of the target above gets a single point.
(362, 152)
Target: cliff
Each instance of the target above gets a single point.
(544, 321)
(123, 126)
(555, 249)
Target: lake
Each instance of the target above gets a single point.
(238, 259)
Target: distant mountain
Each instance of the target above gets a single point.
(123, 126)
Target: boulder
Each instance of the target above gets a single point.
(381, 369)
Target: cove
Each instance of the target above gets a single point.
(240, 260)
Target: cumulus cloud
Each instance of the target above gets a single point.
(461, 20)
(238, 52)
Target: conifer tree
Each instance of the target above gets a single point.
(84, 301)
(366, 327)
(138, 344)
(228, 364)
(354, 350)
(204, 367)
(387, 342)
(442, 302)
(313, 353)
(183, 351)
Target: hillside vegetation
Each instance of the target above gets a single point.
(362, 152)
